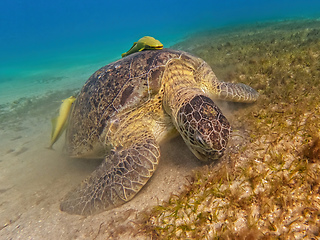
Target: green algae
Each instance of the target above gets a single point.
(270, 187)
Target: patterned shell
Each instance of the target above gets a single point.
(121, 85)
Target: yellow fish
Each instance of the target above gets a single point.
(59, 123)
(145, 43)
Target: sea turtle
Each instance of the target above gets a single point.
(144, 43)
(127, 108)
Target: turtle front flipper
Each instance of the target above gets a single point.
(236, 92)
(117, 180)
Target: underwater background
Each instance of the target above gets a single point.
(40, 39)
(268, 184)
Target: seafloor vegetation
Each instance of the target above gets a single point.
(270, 187)
(17, 113)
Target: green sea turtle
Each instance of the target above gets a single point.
(127, 108)
(145, 43)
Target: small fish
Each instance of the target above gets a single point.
(59, 123)
(145, 43)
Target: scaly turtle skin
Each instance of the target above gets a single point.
(145, 43)
(128, 107)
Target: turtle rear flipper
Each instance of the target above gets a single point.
(117, 180)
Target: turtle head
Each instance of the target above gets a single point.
(204, 128)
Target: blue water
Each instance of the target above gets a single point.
(42, 35)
